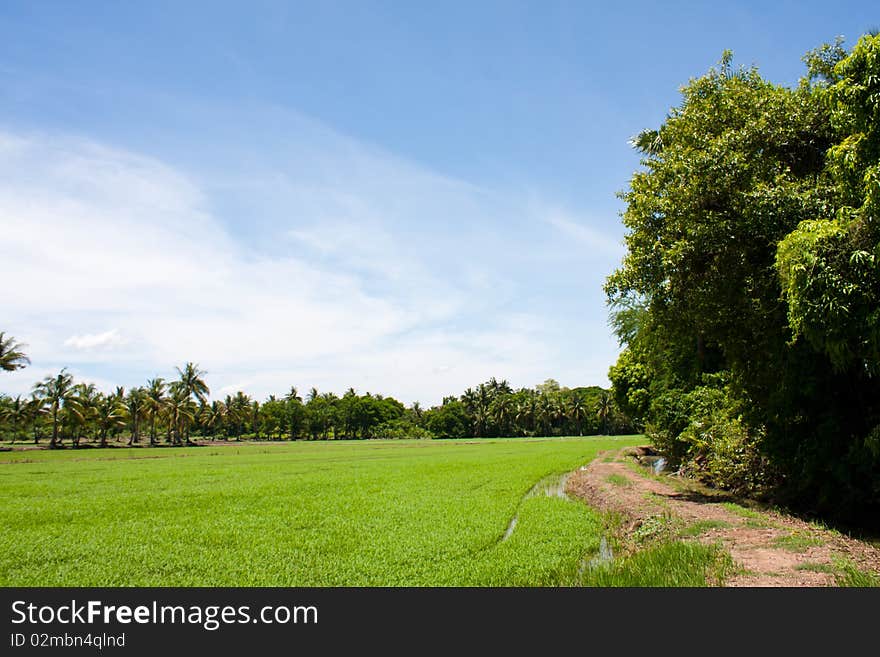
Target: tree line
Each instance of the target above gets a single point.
(748, 302)
(176, 412)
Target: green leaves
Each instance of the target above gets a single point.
(754, 242)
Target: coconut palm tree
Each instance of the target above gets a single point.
(577, 411)
(214, 416)
(16, 413)
(254, 412)
(136, 405)
(11, 355)
(547, 411)
(56, 391)
(81, 409)
(181, 411)
(154, 403)
(109, 414)
(604, 410)
(522, 417)
(193, 381)
(36, 407)
(504, 411)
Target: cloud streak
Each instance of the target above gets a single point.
(377, 274)
(105, 340)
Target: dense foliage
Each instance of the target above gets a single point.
(749, 299)
(173, 412)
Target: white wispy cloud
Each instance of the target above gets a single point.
(376, 273)
(585, 235)
(105, 340)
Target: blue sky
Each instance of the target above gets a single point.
(407, 198)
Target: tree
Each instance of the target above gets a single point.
(192, 382)
(604, 410)
(81, 409)
(503, 410)
(11, 355)
(109, 413)
(577, 412)
(35, 411)
(192, 379)
(55, 391)
(449, 420)
(135, 403)
(181, 411)
(154, 403)
(748, 298)
(15, 411)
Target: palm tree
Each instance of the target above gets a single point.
(16, 413)
(11, 355)
(181, 410)
(293, 395)
(503, 413)
(56, 391)
(469, 399)
(237, 412)
(135, 404)
(577, 411)
(193, 383)
(214, 416)
(604, 410)
(255, 417)
(155, 403)
(35, 409)
(109, 413)
(524, 415)
(81, 409)
(546, 412)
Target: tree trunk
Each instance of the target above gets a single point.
(54, 442)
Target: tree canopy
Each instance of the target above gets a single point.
(748, 301)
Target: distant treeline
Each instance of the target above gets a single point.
(64, 412)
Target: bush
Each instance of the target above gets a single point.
(401, 429)
(703, 432)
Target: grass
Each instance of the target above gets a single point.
(742, 511)
(661, 527)
(796, 542)
(702, 526)
(359, 513)
(618, 480)
(816, 567)
(752, 519)
(849, 575)
(676, 563)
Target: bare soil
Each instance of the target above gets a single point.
(770, 548)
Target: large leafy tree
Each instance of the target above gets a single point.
(748, 297)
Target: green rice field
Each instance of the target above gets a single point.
(359, 513)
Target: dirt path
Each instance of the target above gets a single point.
(771, 549)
